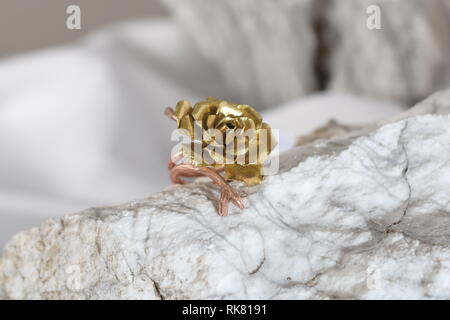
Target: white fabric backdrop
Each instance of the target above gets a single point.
(82, 125)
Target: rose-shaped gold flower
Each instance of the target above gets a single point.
(224, 134)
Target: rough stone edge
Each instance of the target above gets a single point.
(438, 103)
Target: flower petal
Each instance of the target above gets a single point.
(251, 113)
(182, 108)
(245, 123)
(204, 108)
(249, 174)
(210, 121)
(227, 123)
(187, 123)
(229, 109)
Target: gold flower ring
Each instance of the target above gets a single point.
(223, 138)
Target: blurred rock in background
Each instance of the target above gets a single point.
(273, 51)
(406, 60)
(264, 48)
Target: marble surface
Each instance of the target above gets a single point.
(360, 216)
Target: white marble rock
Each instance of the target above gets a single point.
(357, 217)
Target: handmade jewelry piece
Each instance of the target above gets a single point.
(223, 138)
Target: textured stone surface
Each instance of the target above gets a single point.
(331, 129)
(365, 216)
